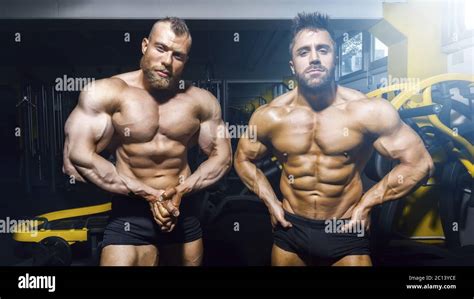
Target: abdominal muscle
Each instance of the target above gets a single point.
(157, 171)
(314, 197)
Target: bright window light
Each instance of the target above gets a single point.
(469, 14)
(380, 49)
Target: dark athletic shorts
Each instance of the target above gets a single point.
(316, 240)
(131, 223)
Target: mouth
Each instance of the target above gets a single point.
(315, 71)
(162, 73)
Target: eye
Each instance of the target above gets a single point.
(160, 49)
(179, 57)
(323, 51)
(303, 53)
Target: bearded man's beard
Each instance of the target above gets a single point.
(154, 80)
(310, 85)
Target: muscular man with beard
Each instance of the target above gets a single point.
(323, 134)
(151, 122)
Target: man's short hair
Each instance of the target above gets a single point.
(310, 21)
(178, 26)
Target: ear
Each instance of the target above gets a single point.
(292, 67)
(144, 45)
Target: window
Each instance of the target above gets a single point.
(379, 49)
(469, 15)
(351, 54)
(458, 24)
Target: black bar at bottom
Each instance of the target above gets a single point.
(164, 282)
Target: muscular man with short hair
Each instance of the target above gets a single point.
(323, 134)
(152, 123)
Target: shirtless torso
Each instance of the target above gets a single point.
(150, 137)
(153, 138)
(150, 122)
(323, 153)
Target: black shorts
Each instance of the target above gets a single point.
(131, 223)
(319, 240)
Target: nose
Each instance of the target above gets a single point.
(167, 58)
(314, 57)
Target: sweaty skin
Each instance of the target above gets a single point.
(151, 138)
(323, 153)
(323, 141)
(151, 124)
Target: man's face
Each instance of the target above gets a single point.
(313, 59)
(164, 56)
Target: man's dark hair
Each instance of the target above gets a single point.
(311, 21)
(178, 26)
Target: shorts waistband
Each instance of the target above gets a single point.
(314, 223)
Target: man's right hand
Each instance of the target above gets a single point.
(161, 216)
(277, 215)
(166, 209)
(155, 200)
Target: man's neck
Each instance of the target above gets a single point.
(318, 100)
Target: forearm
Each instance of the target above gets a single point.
(68, 167)
(208, 173)
(103, 174)
(399, 182)
(256, 181)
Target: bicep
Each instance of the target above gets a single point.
(253, 146)
(212, 131)
(87, 132)
(210, 135)
(250, 149)
(402, 144)
(393, 139)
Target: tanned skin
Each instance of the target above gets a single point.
(151, 123)
(323, 135)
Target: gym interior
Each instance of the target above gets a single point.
(416, 54)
